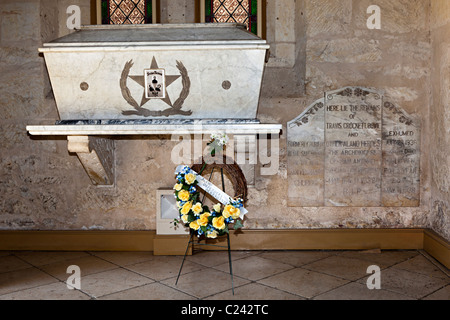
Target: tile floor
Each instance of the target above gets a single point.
(258, 275)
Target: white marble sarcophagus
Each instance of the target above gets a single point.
(173, 71)
(182, 79)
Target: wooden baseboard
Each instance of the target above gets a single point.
(77, 240)
(437, 247)
(322, 239)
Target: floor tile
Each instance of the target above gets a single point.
(12, 263)
(23, 279)
(107, 282)
(53, 291)
(441, 294)
(382, 258)
(422, 265)
(40, 258)
(124, 258)
(214, 258)
(303, 282)
(88, 265)
(254, 291)
(409, 283)
(204, 283)
(5, 253)
(255, 267)
(258, 275)
(347, 268)
(357, 291)
(164, 267)
(152, 291)
(296, 258)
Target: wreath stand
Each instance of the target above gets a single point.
(192, 239)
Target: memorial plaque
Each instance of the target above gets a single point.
(401, 158)
(305, 157)
(353, 148)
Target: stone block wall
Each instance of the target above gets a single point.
(341, 51)
(440, 117)
(27, 192)
(316, 46)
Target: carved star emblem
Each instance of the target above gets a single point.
(168, 80)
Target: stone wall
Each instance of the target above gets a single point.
(316, 46)
(28, 191)
(440, 117)
(341, 51)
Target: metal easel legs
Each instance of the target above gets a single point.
(192, 241)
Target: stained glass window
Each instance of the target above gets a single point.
(240, 11)
(126, 11)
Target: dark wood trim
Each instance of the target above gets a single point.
(264, 19)
(158, 11)
(93, 12)
(197, 12)
(321, 239)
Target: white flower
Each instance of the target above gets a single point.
(221, 138)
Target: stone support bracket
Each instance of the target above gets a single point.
(96, 154)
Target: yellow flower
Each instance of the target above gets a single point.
(178, 187)
(212, 234)
(219, 223)
(230, 211)
(184, 218)
(217, 207)
(194, 225)
(190, 178)
(186, 207)
(226, 214)
(184, 195)
(203, 220)
(197, 208)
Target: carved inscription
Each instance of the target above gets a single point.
(353, 148)
(305, 157)
(401, 158)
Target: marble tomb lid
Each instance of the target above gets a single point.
(198, 34)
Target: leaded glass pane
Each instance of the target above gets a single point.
(240, 11)
(126, 11)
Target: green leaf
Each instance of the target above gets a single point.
(238, 224)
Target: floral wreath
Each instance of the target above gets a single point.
(198, 217)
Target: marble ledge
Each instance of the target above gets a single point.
(152, 129)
